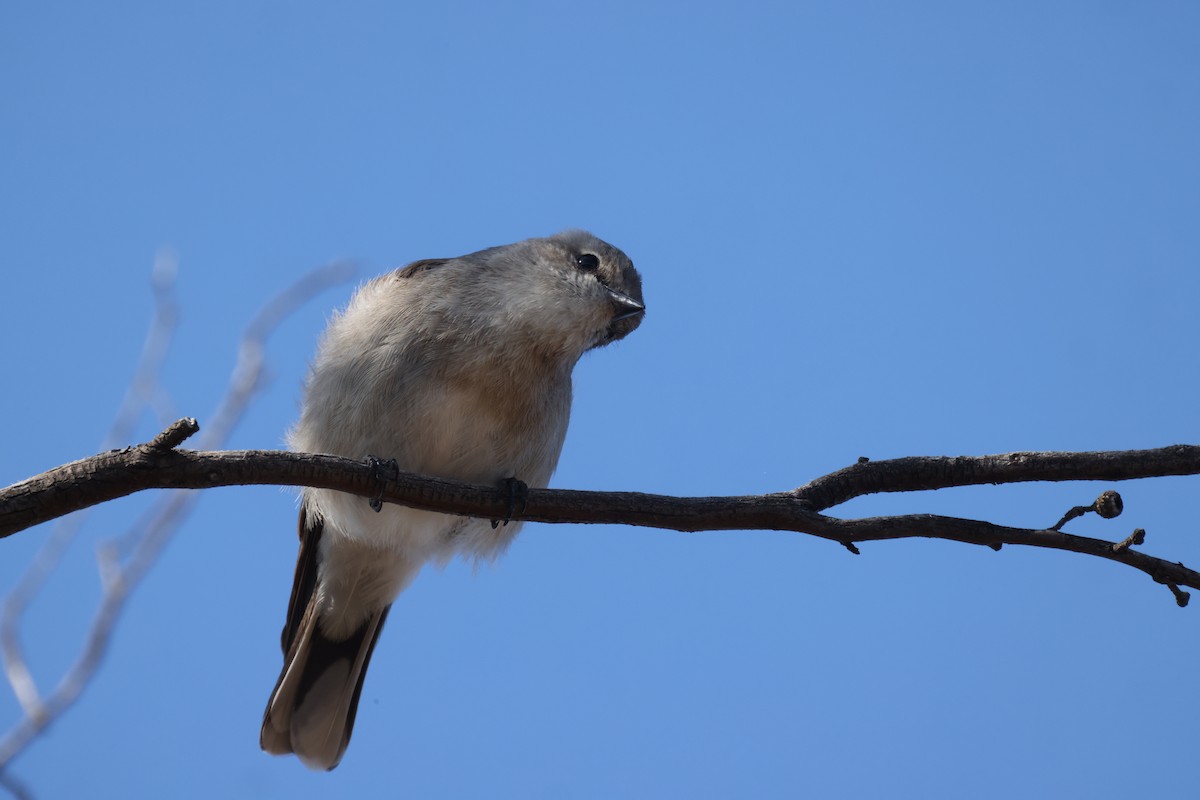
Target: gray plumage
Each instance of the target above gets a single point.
(458, 368)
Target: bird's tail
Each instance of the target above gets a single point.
(311, 711)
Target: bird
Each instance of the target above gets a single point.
(456, 368)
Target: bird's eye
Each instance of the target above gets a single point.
(587, 261)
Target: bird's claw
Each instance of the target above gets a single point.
(378, 467)
(518, 492)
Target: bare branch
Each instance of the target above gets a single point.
(115, 474)
(918, 473)
(107, 476)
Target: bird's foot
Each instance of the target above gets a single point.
(383, 471)
(518, 492)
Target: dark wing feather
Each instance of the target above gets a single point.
(314, 655)
(423, 265)
(305, 581)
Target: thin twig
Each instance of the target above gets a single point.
(1108, 505)
(166, 517)
(175, 434)
(1137, 537)
(144, 389)
(14, 787)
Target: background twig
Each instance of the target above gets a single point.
(120, 573)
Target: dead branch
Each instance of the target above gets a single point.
(156, 465)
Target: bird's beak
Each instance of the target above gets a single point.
(626, 307)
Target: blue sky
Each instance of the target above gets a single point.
(865, 229)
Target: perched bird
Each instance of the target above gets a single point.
(457, 368)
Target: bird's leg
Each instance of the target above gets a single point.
(378, 467)
(518, 492)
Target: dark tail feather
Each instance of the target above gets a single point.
(311, 711)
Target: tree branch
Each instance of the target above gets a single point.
(918, 473)
(156, 466)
